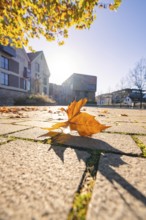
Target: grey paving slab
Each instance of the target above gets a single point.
(120, 142)
(36, 183)
(40, 124)
(120, 189)
(42, 116)
(11, 120)
(117, 111)
(19, 115)
(52, 113)
(133, 128)
(114, 120)
(38, 115)
(101, 141)
(140, 119)
(121, 121)
(33, 133)
(131, 115)
(8, 128)
(142, 138)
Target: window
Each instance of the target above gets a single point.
(45, 80)
(37, 76)
(24, 84)
(86, 94)
(4, 79)
(37, 67)
(45, 90)
(28, 85)
(71, 86)
(4, 63)
(91, 87)
(77, 93)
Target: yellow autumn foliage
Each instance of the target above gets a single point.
(25, 19)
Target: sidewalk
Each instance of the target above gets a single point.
(72, 177)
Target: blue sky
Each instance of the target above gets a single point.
(112, 46)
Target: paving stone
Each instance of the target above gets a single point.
(40, 124)
(33, 133)
(120, 142)
(120, 189)
(115, 121)
(3, 140)
(36, 183)
(132, 115)
(52, 113)
(11, 120)
(8, 128)
(101, 141)
(42, 115)
(133, 128)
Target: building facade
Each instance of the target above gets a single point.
(17, 72)
(104, 99)
(124, 96)
(79, 86)
(56, 92)
(119, 95)
(40, 73)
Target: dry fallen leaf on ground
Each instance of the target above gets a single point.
(84, 123)
(124, 115)
(105, 111)
(16, 110)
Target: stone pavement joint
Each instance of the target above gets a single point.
(31, 133)
(9, 129)
(3, 140)
(143, 139)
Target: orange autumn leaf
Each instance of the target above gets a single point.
(58, 125)
(84, 123)
(74, 108)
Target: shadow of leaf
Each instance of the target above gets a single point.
(81, 142)
(107, 170)
(58, 151)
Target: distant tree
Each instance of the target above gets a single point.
(21, 20)
(137, 77)
(122, 84)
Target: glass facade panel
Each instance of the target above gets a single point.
(37, 67)
(4, 63)
(4, 79)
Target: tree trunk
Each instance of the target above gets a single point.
(140, 98)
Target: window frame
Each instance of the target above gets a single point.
(45, 90)
(37, 67)
(5, 79)
(5, 62)
(45, 81)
